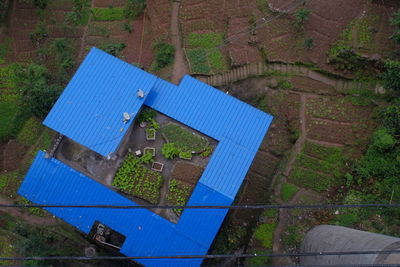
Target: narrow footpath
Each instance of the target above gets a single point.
(180, 67)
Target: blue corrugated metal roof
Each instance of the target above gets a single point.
(238, 127)
(90, 110)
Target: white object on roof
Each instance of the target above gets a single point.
(138, 153)
(127, 117)
(140, 93)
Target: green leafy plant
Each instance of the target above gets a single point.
(146, 115)
(164, 54)
(185, 155)
(204, 40)
(207, 151)
(169, 151)
(146, 158)
(301, 16)
(127, 27)
(133, 8)
(391, 76)
(150, 133)
(309, 42)
(395, 21)
(113, 49)
(154, 125)
(133, 178)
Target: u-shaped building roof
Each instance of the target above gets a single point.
(90, 112)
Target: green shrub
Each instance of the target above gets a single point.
(108, 14)
(80, 13)
(146, 115)
(285, 84)
(390, 117)
(391, 76)
(288, 191)
(41, 4)
(36, 90)
(127, 27)
(383, 140)
(164, 54)
(346, 220)
(133, 8)
(301, 16)
(154, 125)
(146, 158)
(113, 49)
(170, 151)
(309, 42)
(30, 133)
(395, 21)
(265, 234)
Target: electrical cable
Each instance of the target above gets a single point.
(245, 206)
(210, 256)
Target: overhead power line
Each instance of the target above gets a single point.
(232, 207)
(212, 256)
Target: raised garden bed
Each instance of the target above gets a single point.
(135, 179)
(178, 194)
(185, 155)
(187, 172)
(183, 139)
(150, 134)
(150, 150)
(157, 166)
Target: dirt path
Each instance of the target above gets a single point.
(84, 36)
(277, 246)
(25, 216)
(180, 67)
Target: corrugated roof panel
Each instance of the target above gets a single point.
(210, 111)
(227, 168)
(202, 225)
(90, 110)
(102, 88)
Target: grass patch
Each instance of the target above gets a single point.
(178, 194)
(204, 40)
(203, 54)
(183, 139)
(288, 191)
(198, 60)
(312, 180)
(10, 183)
(6, 248)
(30, 133)
(217, 60)
(8, 110)
(332, 164)
(265, 234)
(135, 179)
(108, 14)
(361, 97)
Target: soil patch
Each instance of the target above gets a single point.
(13, 154)
(187, 172)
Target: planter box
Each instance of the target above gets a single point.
(150, 150)
(150, 134)
(187, 156)
(157, 166)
